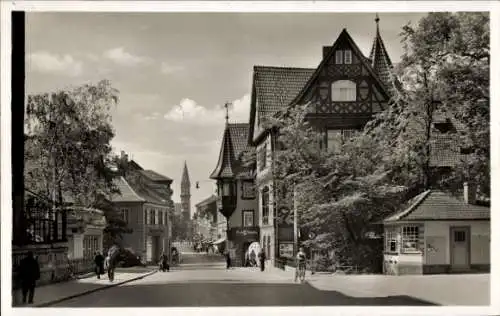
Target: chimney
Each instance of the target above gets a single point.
(326, 49)
(469, 193)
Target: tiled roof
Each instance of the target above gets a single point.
(380, 60)
(154, 176)
(239, 137)
(234, 142)
(437, 205)
(127, 194)
(276, 87)
(224, 167)
(208, 200)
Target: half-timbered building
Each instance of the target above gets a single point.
(340, 95)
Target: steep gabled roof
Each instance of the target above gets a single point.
(155, 176)
(224, 167)
(276, 87)
(437, 205)
(234, 142)
(127, 193)
(344, 36)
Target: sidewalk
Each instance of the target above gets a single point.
(446, 289)
(442, 289)
(55, 293)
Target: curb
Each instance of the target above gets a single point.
(93, 290)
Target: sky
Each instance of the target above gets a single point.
(175, 71)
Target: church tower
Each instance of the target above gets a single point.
(186, 194)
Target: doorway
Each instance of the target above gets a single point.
(460, 248)
(157, 248)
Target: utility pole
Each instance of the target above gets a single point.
(295, 221)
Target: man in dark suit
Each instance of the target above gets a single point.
(29, 273)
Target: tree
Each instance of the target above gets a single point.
(68, 143)
(444, 74)
(339, 194)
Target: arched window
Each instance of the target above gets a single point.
(265, 205)
(344, 90)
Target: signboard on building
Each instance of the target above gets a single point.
(286, 250)
(155, 231)
(247, 233)
(285, 232)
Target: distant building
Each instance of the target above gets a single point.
(177, 208)
(205, 222)
(145, 204)
(186, 193)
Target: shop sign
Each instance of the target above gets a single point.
(246, 233)
(286, 250)
(155, 231)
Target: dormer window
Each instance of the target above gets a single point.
(338, 57)
(344, 90)
(343, 57)
(347, 57)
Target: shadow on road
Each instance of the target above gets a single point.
(210, 294)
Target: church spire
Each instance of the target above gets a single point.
(379, 57)
(185, 175)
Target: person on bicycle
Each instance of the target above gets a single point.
(301, 265)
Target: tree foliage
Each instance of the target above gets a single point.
(68, 143)
(341, 194)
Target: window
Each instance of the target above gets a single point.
(338, 57)
(248, 189)
(391, 240)
(148, 217)
(124, 215)
(263, 157)
(248, 218)
(344, 91)
(459, 236)
(347, 57)
(265, 206)
(410, 239)
(156, 213)
(160, 217)
(226, 189)
(165, 219)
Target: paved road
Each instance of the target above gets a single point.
(206, 282)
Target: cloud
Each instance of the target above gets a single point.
(169, 69)
(124, 58)
(46, 62)
(188, 111)
(152, 116)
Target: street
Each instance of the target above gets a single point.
(202, 280)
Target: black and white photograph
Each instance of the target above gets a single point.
(246, 158)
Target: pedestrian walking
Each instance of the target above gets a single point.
(262, 260)
(228, 259)
(253, 261)
(300, 270)
(164, 266)
(29, 273)
(99, 264)
(111, 259)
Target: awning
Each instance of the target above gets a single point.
(219, 241)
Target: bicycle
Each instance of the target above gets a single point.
(300, 272)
